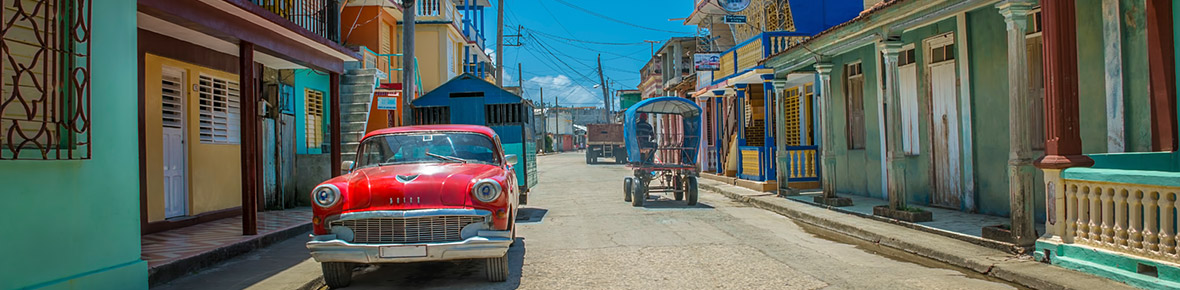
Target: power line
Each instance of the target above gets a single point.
(587, 11)
(584, 41)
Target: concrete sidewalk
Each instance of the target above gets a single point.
(285, 265)
(985, 260)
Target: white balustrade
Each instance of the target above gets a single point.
(1127, 218)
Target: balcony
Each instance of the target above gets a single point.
(320, 17)
(748, 54)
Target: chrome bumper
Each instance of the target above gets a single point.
(486, 244)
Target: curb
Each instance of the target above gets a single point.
(985, 260)
(179, 268)
(314, 284)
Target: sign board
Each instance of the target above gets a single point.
(387, 103)
(735, 19)
(706, 61)
(734, 5)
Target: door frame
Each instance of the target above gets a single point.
(928, 46)
(184, 144)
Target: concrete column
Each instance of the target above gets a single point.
(1020, 170)
(1063, 144)
(827, 171)
(782, 161)
(768, 141)
(1112, 41)
(718, 127)
(249, 138)
(893, 154)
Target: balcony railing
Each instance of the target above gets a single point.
(320, 17)
(749, 53)
(440, 11)
(388, 64)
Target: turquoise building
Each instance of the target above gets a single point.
(72, 215)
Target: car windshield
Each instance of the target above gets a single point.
(432, 147)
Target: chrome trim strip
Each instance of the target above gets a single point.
(487, 215)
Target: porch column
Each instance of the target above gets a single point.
(334, 111)
(1063, 144)
(741, 125)
(782, 159)
(718, 126)
(768, 137)
(1020, 171)
(893, 154)
(827, 172)
(249, 138)
(1161, 61)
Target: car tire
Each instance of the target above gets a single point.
(690, 187)
(637, 194)
(337, 275)
(627, 181)
(497, 269)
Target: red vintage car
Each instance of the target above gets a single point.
(420, 193)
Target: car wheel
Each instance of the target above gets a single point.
(337, 275)
(637, 194)
(690, 187)
(627, 181)
(497, 269)
(678, 186)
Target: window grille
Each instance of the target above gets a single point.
(503, 114)
(221, 110)
(432, 115)
(314, 118)
(45, 80)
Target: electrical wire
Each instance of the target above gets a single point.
(587, 11)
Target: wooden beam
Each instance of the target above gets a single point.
(334, 111)
(1063, 147)
(249, 139)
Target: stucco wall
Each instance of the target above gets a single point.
(1135, 74)
(858, 171)
(76, 223)
(309, 79)
(213, 170)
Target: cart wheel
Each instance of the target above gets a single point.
(627, 182)
(678, 185)
(690, 187)
(638, 194)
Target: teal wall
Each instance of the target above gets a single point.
(75, 224)
(988, 46)
(309, 79)
(858, 171)
(1092, 73)
(919, 180)
(1135, 77)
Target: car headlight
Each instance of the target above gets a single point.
(486, 190)
(326, 195)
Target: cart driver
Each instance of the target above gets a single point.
(645, 134)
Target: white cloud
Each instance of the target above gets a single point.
(491, 54)
(564, 89)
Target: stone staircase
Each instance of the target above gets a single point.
(356, 97)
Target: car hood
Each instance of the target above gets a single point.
(413, 186)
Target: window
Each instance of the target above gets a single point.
(791, 118)
(503, 114)
(45, 80)
(432, 115)
(908, 85)
(854, 105)
(313, 119)
(1036, 81)
(220, 108)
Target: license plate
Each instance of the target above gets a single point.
(403, 251)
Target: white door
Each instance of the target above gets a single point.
(946, 134)
(908, 77)
(175, 150)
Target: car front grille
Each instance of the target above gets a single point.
(386, 230)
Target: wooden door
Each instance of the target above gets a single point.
(172, 95)
(946, 134)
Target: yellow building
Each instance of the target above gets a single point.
(449, 41)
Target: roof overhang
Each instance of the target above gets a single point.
(159, 26)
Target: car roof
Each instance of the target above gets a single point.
(435, 128)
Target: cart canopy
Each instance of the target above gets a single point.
(690, 115)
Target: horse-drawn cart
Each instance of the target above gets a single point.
(663, 161)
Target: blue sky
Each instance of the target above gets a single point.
(571, 75)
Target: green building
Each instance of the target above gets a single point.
(974, 111)
(72, 214)
(627, 98)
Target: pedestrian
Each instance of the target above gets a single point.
(645, 135)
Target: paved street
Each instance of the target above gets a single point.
(589, 238)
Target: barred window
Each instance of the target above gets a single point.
(45, 80)
(432, 115)
(221, 110)
(314, 118)
(504, 114)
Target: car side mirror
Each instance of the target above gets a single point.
(346, 166)
(511, 158)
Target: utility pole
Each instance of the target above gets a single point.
(500, 43)
(605, 94)
(653, 46)
(408, 68)
(544, 121)
(520, 78)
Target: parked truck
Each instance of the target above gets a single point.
(606, 141)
